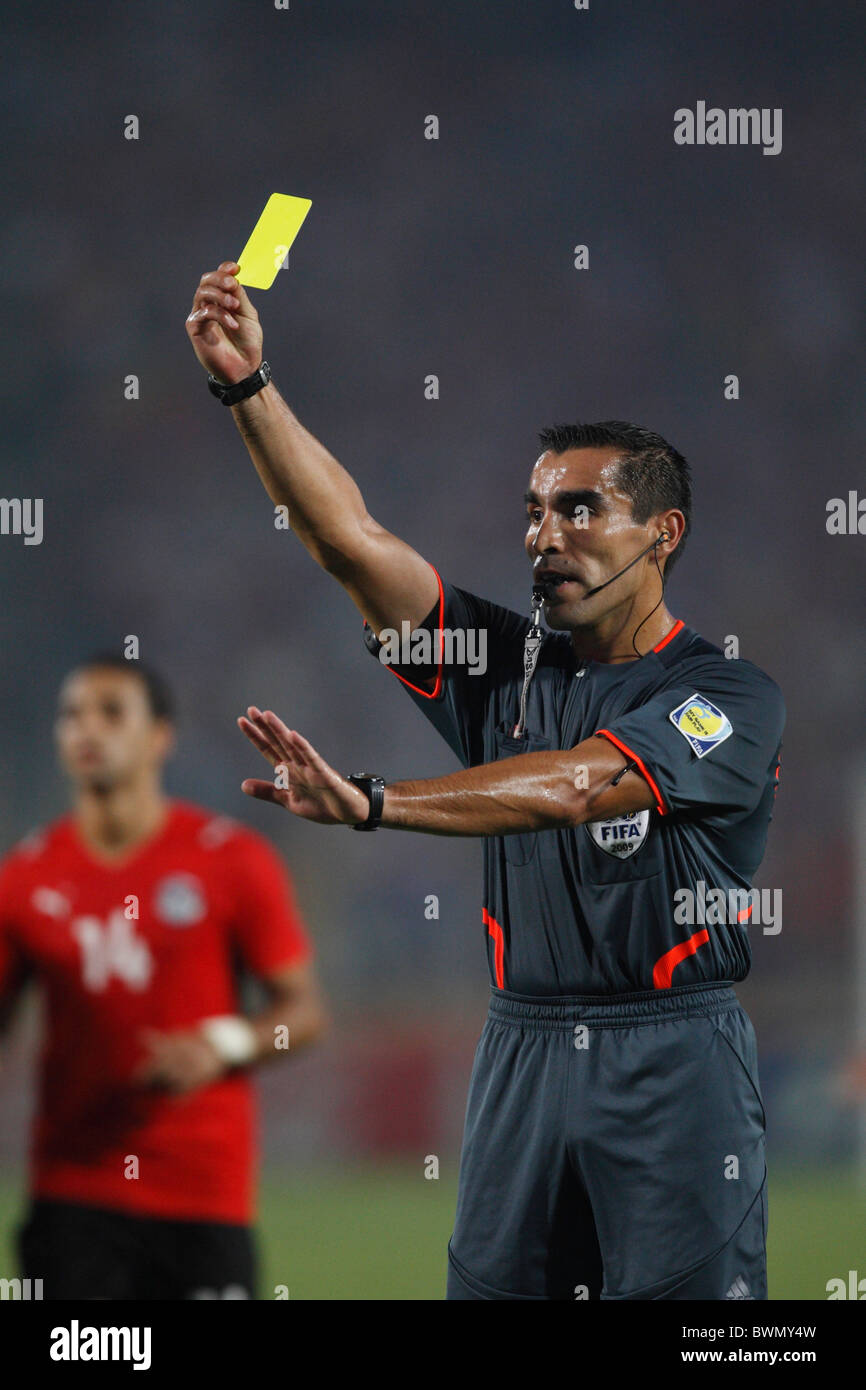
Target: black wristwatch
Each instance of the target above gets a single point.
(374, 789)
(230, 395)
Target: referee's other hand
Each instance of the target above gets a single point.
(223, 326)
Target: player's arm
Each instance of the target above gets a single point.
(532, 791)
(295, 1015)
(10, 997)
(16, 970)
(387, 580)
(183, 1059)
(266, 933)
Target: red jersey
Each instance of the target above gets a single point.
(152, 941)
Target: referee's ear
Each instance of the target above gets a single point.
(670, 535)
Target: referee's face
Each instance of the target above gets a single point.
(580, 533)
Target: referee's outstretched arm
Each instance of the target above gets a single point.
(387, 580)
(533, 791)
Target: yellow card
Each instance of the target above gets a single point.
(271, 238)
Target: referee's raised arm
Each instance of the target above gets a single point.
(387, 580)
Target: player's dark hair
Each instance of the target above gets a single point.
(651, 471)
(159, 695)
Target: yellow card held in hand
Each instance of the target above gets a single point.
(271, 238)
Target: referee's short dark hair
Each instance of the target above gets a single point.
(159, 694)
(651, 471)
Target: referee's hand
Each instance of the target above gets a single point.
(223, 326)
(308, 786)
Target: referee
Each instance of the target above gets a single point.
(618, 767)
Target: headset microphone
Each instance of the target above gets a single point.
(598, 588)
(534, 638)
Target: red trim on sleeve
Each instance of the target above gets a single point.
(494, 930)
(430, 694)
(677, 627)
(667, 964)
(623, 748)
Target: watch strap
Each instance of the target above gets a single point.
(373, 788)
(230, 394)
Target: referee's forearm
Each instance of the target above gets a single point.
(326, 509)
(534, 791)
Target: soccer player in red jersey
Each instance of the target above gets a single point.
(132, 914)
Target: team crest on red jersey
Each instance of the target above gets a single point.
(180, 900)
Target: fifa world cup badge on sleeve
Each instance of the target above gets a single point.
(701, 723)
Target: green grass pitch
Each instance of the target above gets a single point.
(381, 1233)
